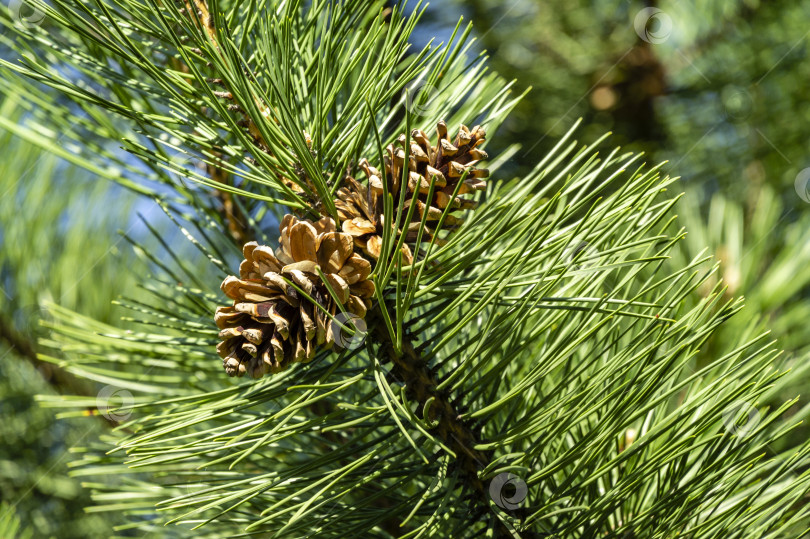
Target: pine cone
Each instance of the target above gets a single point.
(270, 323)
(361, 207)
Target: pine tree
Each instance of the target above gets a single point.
(529, 370)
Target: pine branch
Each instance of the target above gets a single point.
(206, 19)
(549, 314)
(574, 378)
(438, 410)
(232, 215)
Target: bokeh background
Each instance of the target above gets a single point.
(717, 88)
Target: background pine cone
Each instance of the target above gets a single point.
(360, 207)
(272, 324)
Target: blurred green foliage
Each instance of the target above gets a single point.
(762, 257)
(34, 477)
(59, 244)
(717, 87)
(10, 525)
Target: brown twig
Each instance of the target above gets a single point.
(57, 377)
(207, 21)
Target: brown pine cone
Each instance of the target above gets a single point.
(361, 207)
(271, 324)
